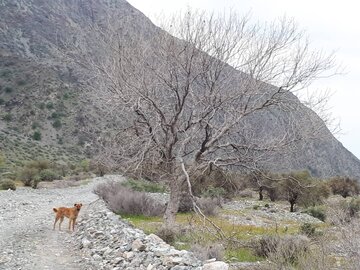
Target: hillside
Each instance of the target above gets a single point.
(46, 111)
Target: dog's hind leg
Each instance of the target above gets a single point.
(56, 220)
(61, 220)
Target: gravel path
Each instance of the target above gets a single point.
(27, 240)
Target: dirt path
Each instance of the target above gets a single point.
(27, 240)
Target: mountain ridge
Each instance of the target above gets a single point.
(40, 93)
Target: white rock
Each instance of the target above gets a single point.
(85, 242)
(216, 266)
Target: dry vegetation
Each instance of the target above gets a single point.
(285, 242)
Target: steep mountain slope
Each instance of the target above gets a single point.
(42, 107)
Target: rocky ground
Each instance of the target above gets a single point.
(101, 240)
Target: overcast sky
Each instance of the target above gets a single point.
(331, 25)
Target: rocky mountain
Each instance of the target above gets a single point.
(45, 114)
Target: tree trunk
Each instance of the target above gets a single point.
(173, 204)
(261, 196)
(292, 203)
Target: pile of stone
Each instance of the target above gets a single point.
(107, 242)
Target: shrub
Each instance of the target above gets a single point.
(344, 186)
(282, 250)
(214, 192)
(40, 164)
(123, 200)
(186, 203)
(208, 206)
(66, 96)
(57, 124)
(206, 252)
(21, 82)
(7, 117)
(50, 105)
(48, 175)
(7, 184)
(8, 89)
(215, 179)
(2, 101)
(307, 229)
(5, 73)
(55, 115)
(98, 168)
(317, 212)
(167, 234)
(35, 181)
(27, 175)
(144, 186)
(353, 207)
(37, 136)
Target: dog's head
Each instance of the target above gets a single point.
(78, 206)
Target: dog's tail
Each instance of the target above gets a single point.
(55, 210)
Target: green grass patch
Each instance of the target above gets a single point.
(242, 255)
(146, 224)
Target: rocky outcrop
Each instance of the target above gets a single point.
(107, 242)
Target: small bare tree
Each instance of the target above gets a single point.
(190, 97)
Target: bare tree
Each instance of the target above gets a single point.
(188, 99)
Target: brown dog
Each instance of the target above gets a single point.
(70, 213)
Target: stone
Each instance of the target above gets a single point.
(154, 238)
(138, 245)
(129, 254)
(216, 266)
(85, 243)
(97, 257)
(117, 260)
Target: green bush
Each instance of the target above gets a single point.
(50, 105)
(48, 175)
(5, 73)
(317, 212)
(37, 136)
(7, 184)
(57, 124)
(55, 115)
(85, 165)
(2, 101)
(8, 89)
(7, 117)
